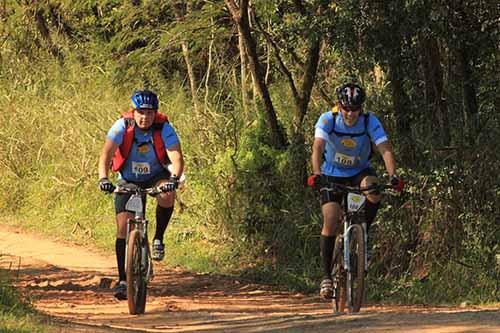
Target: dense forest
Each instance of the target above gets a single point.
(243, 82)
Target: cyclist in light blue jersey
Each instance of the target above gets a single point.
(142, 163)
(343, 142)
(140, 146)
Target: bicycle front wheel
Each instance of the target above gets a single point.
(356, 271)
(338, 275)
(136, 280)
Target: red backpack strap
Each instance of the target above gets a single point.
(128, 115)
(122, 152)
(159, 145)
(160, 118)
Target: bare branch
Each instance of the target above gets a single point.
(282, 65)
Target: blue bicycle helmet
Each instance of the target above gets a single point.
(145, 99)
(350, 95)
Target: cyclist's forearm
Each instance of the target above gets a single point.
(385, 150)
(317, 156)
(177, 159)
(390, 164)
(107, 153)
(104, 163)
(316, 163)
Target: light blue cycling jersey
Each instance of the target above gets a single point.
(347, 155)
(141, 164)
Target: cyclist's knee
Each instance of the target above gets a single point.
(166, 199)
(373, 196)
(369, 180)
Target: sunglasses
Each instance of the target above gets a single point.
(348, 109)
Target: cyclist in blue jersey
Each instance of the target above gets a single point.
(139, 146)
(343, 142)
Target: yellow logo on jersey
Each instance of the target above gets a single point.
(348, 143)
(143, 149)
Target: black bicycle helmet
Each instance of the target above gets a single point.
(145, 99)
(350, 95)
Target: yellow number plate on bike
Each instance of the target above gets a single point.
(355, 202)
(134, 204)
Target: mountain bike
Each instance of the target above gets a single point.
(138, 263)
(349, 260)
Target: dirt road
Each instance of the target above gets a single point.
(72, 284)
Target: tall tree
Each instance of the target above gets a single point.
(436, 100)
(310, 29)
(180, 9)
(240, 17)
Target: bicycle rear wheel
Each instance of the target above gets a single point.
(338, 275)
(356, 273)
(136, 281)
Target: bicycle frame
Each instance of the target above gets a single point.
(139, 223)
(350, 210)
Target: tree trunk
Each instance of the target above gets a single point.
(307, 84)
(469, 92)
(179, 10)
(243, 73)
(240, 17)
(433, 74)
(400, 105)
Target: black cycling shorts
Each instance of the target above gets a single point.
(122, 198)
(329, 196)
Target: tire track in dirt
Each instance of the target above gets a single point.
(72, 285)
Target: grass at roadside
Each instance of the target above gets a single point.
(16, 314)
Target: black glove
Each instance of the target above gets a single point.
(314, 181)
(106, 186)
(171, 184)
(397, 183)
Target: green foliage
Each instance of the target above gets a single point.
(16, 314)
(440, 240)
(10, 298)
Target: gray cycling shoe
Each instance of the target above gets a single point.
(326, 289)
(120, 291)
(158, 250)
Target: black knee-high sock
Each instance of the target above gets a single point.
(370, 213)
(326, 244)
(163, 216)
(120, 258)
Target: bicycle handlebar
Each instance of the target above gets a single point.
(134, 189)
(336, 187)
